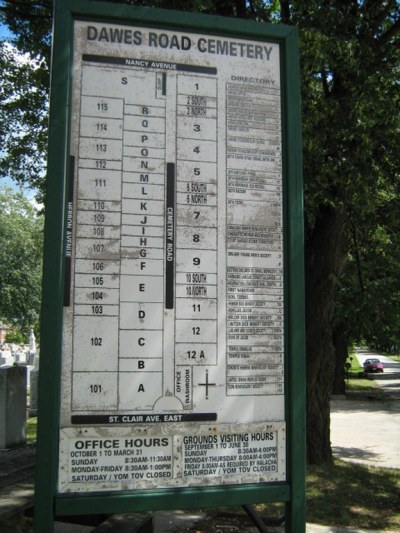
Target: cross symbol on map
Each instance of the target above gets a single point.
(207, 384)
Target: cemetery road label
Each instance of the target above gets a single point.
(173, 329)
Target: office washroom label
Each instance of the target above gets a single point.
(173, 336)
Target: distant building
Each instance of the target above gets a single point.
(4, 328)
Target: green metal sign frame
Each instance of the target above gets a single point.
(48, 502)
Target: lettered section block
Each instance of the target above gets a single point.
(139, 390)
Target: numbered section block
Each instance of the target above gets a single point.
(196, 150)
(97, 164)
(197, 106)
(94, 391)
(196, 354)
(196, 330)
(96, 296)
(104, 128)
(193, 308)
(111, 203)
(99, 185)
(96, 148)
(139, 391)
(200, 278)
(196, 260)
(88, 266)
(196, 186)
(96, 309)
(196, 216)
(196, 291)
(97, 231)
(95, 344)
(98, 249)
(196, 171)
(197, 199)
(99, 218)
(199, 238)
(197, 85)
(97, 106)
(97, 280)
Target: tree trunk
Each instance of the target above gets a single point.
(326, 251)
(340, 343)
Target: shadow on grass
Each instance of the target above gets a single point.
(346, 494)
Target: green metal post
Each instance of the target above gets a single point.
(52, 295)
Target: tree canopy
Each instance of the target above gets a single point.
(350, 100)
(21, 236)
(24, 89)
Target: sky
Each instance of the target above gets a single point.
(5, 34)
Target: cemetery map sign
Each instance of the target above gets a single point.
(173, 328)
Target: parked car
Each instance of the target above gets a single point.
(373, 365)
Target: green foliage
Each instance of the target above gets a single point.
(24, 89)
(350, 93)
(15, 336)
(21, 235)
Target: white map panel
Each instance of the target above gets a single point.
(173, 350)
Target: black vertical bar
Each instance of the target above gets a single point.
(170, 238)
(68, 232)
(164, 83)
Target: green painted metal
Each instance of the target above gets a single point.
(48, 503)
(172, 499)
(295, 515)
(53, 286)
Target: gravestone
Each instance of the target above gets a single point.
(33, 390)
(12, 406)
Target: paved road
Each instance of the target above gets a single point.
(366, 431)
(389, 381)
(390, 365)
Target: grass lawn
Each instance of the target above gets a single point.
(31, 425)
(347, 494)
